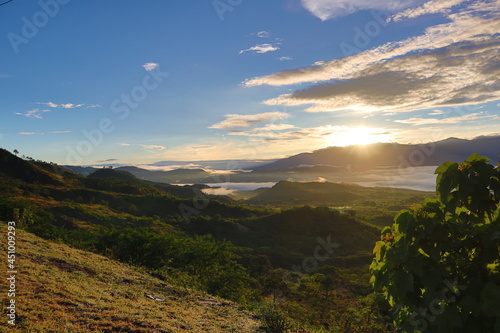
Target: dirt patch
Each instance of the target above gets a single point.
(67, 267)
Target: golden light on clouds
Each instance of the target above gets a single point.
(357, 136)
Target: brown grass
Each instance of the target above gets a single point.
(61, 289)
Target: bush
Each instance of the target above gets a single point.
(275, 321)
(438, 265)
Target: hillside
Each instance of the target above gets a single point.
(241, 251)
(14, 167)
(61, 289)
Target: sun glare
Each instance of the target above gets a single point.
(357, 136)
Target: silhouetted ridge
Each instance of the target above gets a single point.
(15, 167)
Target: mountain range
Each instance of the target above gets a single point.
(392, 154)
(333, 163)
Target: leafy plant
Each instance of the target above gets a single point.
(438, 265)
(275, 321)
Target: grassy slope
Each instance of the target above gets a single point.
(61, 289)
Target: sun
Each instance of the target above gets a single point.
(349, 136)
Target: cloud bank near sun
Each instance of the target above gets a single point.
(450, 64)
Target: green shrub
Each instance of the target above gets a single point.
(438, 265)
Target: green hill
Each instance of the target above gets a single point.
(309, 193)
(334, 194)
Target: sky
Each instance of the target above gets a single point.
(131, 82)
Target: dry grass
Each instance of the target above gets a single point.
(61, 289)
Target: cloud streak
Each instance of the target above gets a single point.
(62, 106)
(431, 7)
(235, 121)
(261, 48)
(329, 9)
(451, 120)
(35, 113)
(152, 148)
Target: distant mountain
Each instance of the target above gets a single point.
(392, 154)
(82, 170)
(172, 176)
(112, 173)
(215, 164)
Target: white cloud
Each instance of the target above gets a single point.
(153, 147)
(61, 132)
(35, 113)
(430, 7)
(50, 104)
(261, 48)
(285, 58)
(93, 106)
(150, 66)
(27, 133)
(123, 144)
(451, 64)
(62, 106)
(328, 9)
(233, 121)
(451, 120)
(70, 106)
(263, 34)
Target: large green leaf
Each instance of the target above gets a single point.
(445, 180)
(477, 158)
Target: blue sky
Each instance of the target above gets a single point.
(85, 82)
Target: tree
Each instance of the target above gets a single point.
(438, 265)
(15, 152)
(273, 283)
